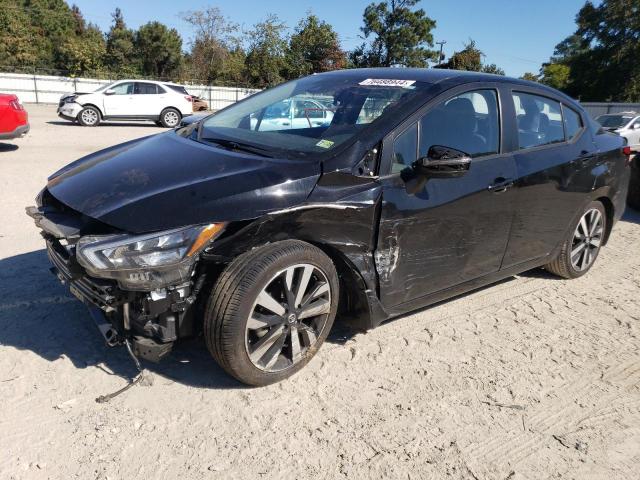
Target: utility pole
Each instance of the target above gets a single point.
(440, 57)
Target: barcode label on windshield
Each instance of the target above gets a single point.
(387, 82)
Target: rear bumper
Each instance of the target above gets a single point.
(20, 131)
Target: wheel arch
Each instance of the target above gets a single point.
(100, 112)
(609, 208)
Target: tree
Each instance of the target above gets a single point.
(216, 52)
(120, 56)
(266, 57)
(555, 75)
(159, 49)
(470, 59)
(83, 54)
(398, 36)
(19, 42)
(601, 57)
(313, 48)
(532, 77)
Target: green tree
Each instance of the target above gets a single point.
(83, 54)
(532, 77)
(20, 45)
(216, 52)
(120, 57)
(314, 47)
(555, 75)
(159, 49)
(470, 59)
(602, 55)
(266, 62)
(397, 35)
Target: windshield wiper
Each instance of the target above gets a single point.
(238, 146)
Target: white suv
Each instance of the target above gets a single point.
(164, 103)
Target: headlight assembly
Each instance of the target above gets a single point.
(70, 99)
(145, 262)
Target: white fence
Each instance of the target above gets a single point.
(48, 89)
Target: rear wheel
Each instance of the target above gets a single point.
(580, 250)
(170, 118)
(89, 117)
(271, 310)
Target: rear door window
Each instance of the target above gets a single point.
(143, 88)
(572, 122)
(539, 120)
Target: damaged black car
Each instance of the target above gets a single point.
(356, 195)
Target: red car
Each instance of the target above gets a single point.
(14, 120)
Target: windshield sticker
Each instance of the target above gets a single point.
(387, 82)
(325, 144)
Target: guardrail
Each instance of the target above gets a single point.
(48, 89)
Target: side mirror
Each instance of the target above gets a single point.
(443, 162)
(110, 92)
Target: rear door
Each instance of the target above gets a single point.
(438, 233)
(148, 99)
(555, 158)
(121, 101)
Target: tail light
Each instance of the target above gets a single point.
(16, 105)
(627, 152)
(189, 98)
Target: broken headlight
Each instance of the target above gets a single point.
(145, 262)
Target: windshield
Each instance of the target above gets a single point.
(311, 115)
(613, 121)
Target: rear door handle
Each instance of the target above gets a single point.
(500, 185)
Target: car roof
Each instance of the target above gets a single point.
(439, 75)
(157, 82)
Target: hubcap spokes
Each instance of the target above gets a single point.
(587, 240)
(89, 116)
(171, 119)
(288, 317)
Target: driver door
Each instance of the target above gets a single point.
(435, 233)
(120, 100)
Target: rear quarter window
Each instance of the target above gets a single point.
(178, 88)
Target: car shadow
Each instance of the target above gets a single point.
(38, 314)
(105, 124)
(8, 147)
(630, 215)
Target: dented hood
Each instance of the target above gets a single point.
(167, 181)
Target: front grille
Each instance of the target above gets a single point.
(101, 293)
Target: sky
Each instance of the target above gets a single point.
(517, 35)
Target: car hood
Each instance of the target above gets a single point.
(167, 181)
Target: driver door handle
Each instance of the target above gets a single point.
(500, 185)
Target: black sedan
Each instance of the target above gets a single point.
(261, 225)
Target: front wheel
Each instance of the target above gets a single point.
(580, 250)
(170, 118)
(271, 310)
(89, 117)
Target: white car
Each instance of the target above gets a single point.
(296, 112)
(162, 102)
(625, 124)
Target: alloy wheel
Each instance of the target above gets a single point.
(171, 119)
(587, 240)
(89, 116)
(287, 317)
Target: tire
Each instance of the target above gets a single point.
(633, 197)
(89, 117)
(259, 346)
(170, 118)
(579, 251)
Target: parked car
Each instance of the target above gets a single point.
(625, 124)
(297, 112)
(199, 104)
(14, 120)
(425, 184)
(161, 102)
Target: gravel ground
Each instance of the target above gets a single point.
(531, 378)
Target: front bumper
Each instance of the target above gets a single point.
(20, 131)
(69, 111)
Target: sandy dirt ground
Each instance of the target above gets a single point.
(532, 378)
